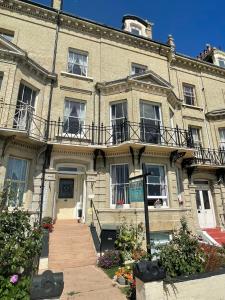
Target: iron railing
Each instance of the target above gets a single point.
(117, 134)
(61, 132)
(21, 118)
(209, 156)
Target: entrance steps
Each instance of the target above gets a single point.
(70, 246)
(216, 234)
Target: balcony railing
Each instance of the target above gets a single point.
(124, 132)
(210, 156)
(21, 118)
(75, 133)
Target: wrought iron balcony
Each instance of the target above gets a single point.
(76, 133)
(21, 119)
(146, 133)
(205, 156)
(73, 133)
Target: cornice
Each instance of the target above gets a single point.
(216, 114)
(30, 9)
(105, 32)
(198, 65)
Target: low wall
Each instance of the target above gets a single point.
(210, 286)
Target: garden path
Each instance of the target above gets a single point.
(72, 252)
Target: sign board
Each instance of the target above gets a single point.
(136, 191)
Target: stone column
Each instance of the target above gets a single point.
(91, 177)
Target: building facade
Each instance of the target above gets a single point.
(83, 106)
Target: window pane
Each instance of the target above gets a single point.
(15, 181)
(205, 195)
(77, 63)
(1, 79)
(66, 188)
(119, 184)
(198, 201)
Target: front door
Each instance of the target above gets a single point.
(66, 198)
(205, 209)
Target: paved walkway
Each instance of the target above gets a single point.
(71, 251)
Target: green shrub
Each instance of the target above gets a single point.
(17, 291)
(129, 239)
(20, 242)
(183, 255)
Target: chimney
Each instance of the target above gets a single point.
(57, 4)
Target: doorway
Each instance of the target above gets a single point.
(204, 203)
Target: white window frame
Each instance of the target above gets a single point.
(160, 113)
(222, 137)
(180, 186)
(79, 135)
(165, 199)
(197, 143)
(25, 181)
(137, 28)
(111, 119)
(134, 65)
(79, 52)
(113, 205)
(191, 95)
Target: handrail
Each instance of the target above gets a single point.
(96, 214)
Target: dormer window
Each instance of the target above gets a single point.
(221, 62)
(137, 69)
(135, 30)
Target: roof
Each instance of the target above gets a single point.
(136, 18)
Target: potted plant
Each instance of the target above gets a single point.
(119, 203)
(47, 223)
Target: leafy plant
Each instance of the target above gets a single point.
(47, 223)
(20, 242)
(183, 255)
(109, 259)
(15, 291)
(129, 239)
(214, 257)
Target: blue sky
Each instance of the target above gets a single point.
(193, 23)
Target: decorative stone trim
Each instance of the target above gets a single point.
(85, 78)
(70, 89)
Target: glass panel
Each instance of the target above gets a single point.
(205, 195)
(198, 201)
(77, 63)
(156, 182)
(119, 184)
(189, 97)
(66, 188)
(119, 126)
(74, 114)
(15, 180)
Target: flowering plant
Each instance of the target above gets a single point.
(47, 223)
(124, 272)
(120, 202)
(109, 259)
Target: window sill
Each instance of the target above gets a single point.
(152, 209)
(192, 106)
(85, 78)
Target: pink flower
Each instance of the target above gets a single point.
(14, 279)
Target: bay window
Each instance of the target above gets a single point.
(150, 117)
(74, 116)
(16, 181)
(119, 184)
(156, 185)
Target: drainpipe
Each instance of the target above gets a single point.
(47, 154)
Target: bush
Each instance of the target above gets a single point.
(214, 257)
(15, 291)
(109, 259)
(129, 240)
(20, 243)
(183, 255)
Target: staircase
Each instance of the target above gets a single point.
(70, 246)
(216, 234)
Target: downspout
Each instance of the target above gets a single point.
(48, 151)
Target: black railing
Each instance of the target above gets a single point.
(96, 227)
(209, 156)
(145, 133)
(72, 131)
(21, 118)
